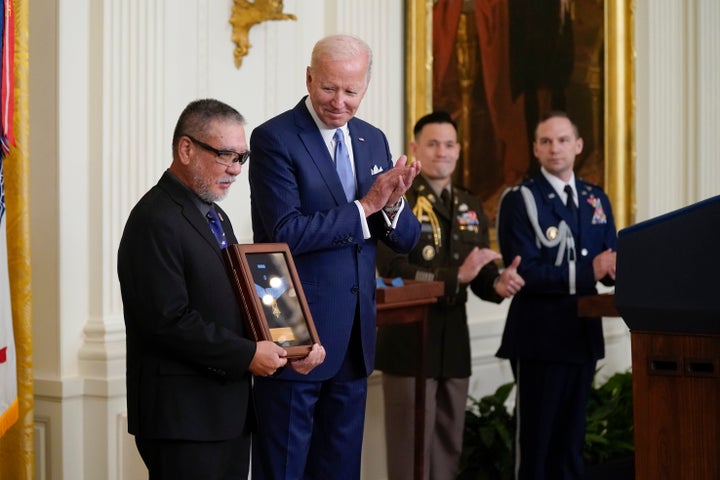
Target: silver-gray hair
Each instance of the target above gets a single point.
(342, 47)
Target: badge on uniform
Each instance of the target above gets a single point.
(469, 221)
(551, 233)
(599, 216)
(428, 252)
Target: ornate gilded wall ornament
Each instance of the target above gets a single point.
(245, 15)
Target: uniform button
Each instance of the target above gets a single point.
(456, 255)
(355, 289)
(584, 252)
(455, 236)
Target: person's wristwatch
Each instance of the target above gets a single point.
(391, 210)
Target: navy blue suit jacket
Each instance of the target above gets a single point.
(542, 321)
(297, 198)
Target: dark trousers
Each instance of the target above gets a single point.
(311, 430)
(189, 460)
(550, 408)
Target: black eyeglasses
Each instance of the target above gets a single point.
(224, 157)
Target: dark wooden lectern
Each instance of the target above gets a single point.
(601, 305)
(667, 293)
(409, 304)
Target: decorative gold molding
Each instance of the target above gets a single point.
(418, 62)
(245, 15)
(619, 84)
(620, 109)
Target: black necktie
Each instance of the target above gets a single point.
(445, 197)
(570, 202)
(216, 227)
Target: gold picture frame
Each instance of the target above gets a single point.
(618, 93)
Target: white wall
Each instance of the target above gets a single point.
(108, 80)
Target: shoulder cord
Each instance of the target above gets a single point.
(564, 240)
(423, 207)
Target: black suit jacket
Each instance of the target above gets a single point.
(187, 359)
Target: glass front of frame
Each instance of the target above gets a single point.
(270, 296)
(279, 300)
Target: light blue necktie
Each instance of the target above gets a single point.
(342, 164)
(216, 227)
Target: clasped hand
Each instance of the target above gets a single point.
(390, 186)
(474, 262)
(305, 364)
(269, 357)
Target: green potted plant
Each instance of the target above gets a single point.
(489, 438)
(609, 446)
(488, 443)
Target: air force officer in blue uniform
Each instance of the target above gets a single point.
(563, 229)
(311, 426)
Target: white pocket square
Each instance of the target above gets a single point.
(375, 170)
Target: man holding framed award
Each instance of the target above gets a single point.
(189, 361)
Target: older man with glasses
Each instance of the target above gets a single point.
(188, 362)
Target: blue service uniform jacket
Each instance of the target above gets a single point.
(542, 322)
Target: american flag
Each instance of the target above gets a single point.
(9, 409)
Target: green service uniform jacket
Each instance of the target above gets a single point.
(461, 228)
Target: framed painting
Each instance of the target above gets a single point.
(270, 295)
(498, 65)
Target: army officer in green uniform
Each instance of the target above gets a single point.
(453, 248)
